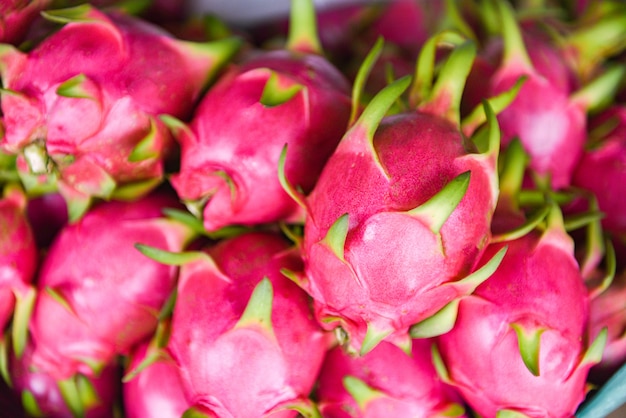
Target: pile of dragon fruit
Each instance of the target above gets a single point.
(405, 208)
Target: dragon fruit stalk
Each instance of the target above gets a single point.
(230, 151)
(243, 336)
(383, 383)
(400, 215)
(519, 345)
(107, 295)
(83, 105)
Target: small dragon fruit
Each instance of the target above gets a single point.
(549, 120)
(519, 343)
(83, 104)
(16, 17)
(106, 294)
(243, 336)
(393, 243)
(231, 150)
(383, 383)
(78, 396)
(155, 391)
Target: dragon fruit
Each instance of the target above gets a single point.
(19, 257)
(156, 390)
(79, 395)
(549, 119)
(16, 17)
(385, 382)
(519, 345)
(83, 105)
(393, 243)
(231, 150)
(243, 336)
(106, 294)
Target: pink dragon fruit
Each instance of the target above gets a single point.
(383, 383)
(19, 255)
(608, 310)
(243, 336)
(84, 104)
(602, 169)
(78, 396)
(399, 217)
(106, 294)
(155, 391)
(519, 343)
(230, 153)
(16, 17)
(549, 120)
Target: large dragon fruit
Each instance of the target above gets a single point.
(243, 336)
(383, 383)
(519, 345)
(230, 153)
(400, 215)
(106, 294)
(84, 104)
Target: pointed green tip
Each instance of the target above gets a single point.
(279, 89)
(529, 342)
(360, 391)
(376, 110)
(600, 92)
(303, 35)
(289, 188)
(594, 353)
(259, 308)
(171, 258)
(439, 364)
(361, 77)
(24, 305)
(515, 53)
(194, 412)
(373, 337)
(30, 404)
(509, 413)
(148, 147)
(436, 211)
(335, 239)
(438, 324)
(80, 13)
(75, 88)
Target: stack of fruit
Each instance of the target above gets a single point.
(397, 209)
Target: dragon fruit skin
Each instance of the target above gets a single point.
(267, 364)
(47, 393)
(537, 291)
(113, 73)
(19, 254)
(407, 386)
(602, 170)
(156, 391)
(378, 285)
(237, 135)
(16, 17)
(106, 293)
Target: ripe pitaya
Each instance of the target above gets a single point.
(549, 119)
(243, 336)
(16, 17)
(77, 396)
(519, 345)
(155, 391)
(400, 215)
(383, 383)
(106, 294)
(84, 104)
(230, 153)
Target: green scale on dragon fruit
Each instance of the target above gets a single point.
(386, 382)
(520, 341)
(107, 294)
(81, 108)
(230, 151)
(392, 246)
(243, 336)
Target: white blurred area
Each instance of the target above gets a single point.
(248, 12)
